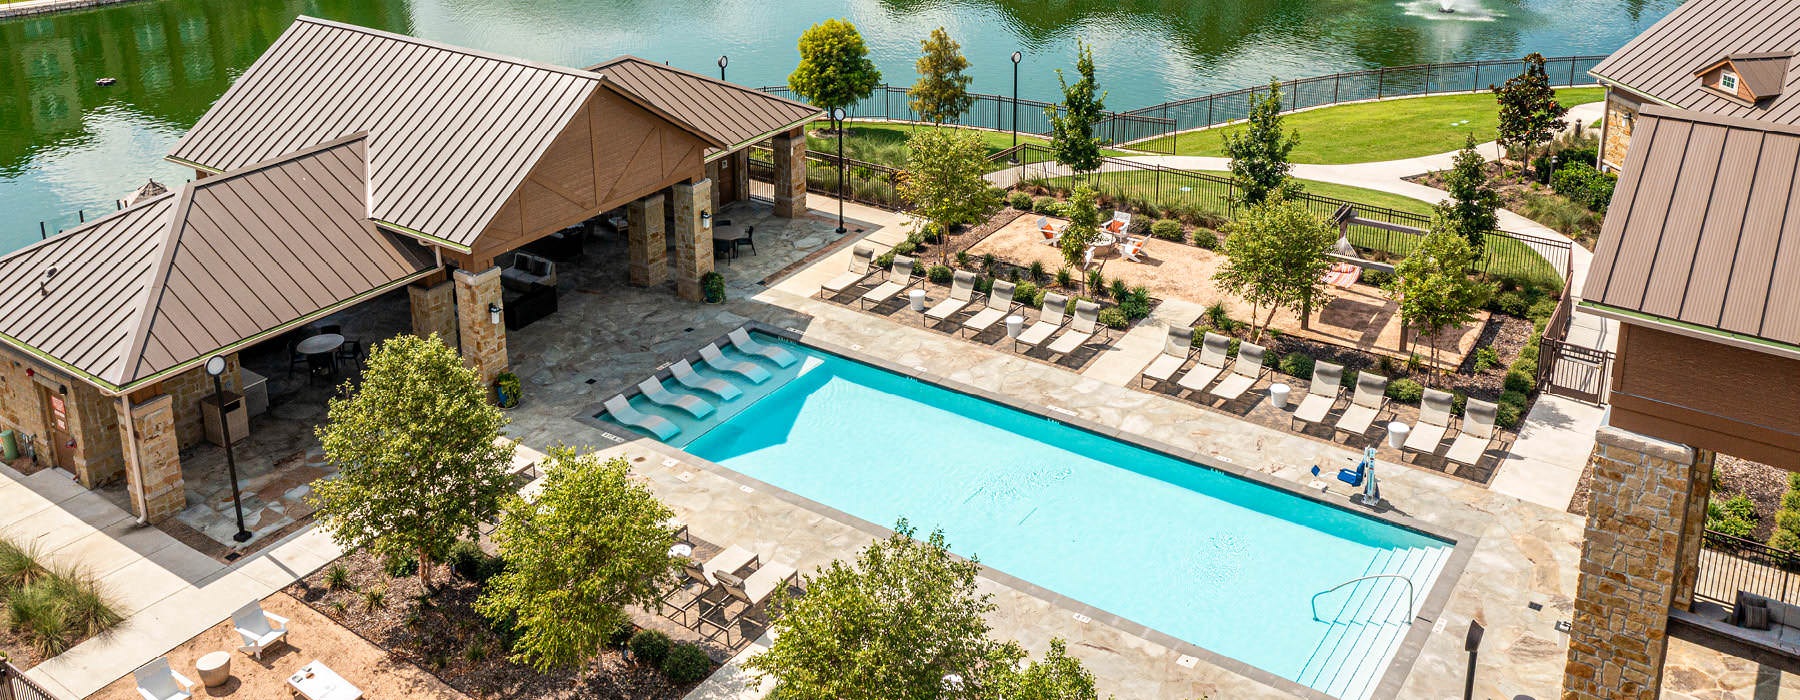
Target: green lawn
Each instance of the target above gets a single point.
(1387, 130)
(885, 142)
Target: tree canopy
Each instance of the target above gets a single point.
(1276, 258)
(942, 93)
(1084, 225)
(835, 70)
(593, 542)
(943, 177)
(1072, 122)
(1432, 284)
(420, 462)
(1472, 209)
(1259, 151)
(1529, 113)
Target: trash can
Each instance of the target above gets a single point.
(9, 445)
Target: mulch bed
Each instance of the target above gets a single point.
(1509, 180)
(453, 642)
(1762, 483)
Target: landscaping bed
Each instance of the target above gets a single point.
(1532, 200)
(47, 609)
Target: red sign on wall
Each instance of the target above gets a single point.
(58, 414)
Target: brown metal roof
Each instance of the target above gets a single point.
(218, 262)
(1661, 63)
(1704, 228)
(734, 115)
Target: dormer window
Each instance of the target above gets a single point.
(1728, 81)
(1745, 78)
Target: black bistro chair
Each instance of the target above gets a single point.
(749, 239)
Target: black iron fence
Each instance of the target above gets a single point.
(15, 686)
(1730, 564)
(873, 184)
(996, 112)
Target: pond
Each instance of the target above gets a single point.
(69, 147)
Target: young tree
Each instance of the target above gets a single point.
(1276, 259)
(1529, 113)
(593, 542)
(1072, 122)
(1471, 210)
(418, 452)
(944, 177)
(1259, 151)
(835, 70)
(1084, 225)
(1057, 677)
(1433, 285)
(942, 93)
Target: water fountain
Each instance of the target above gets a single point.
(1446, 6)
(1452, 10)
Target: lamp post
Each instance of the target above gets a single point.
(837, 116)
(215, 366)
(723, 61)
(1472, 644)
(1016, 57)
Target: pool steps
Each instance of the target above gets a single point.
(1366, 628)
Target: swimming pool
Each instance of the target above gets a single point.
(1223, 562)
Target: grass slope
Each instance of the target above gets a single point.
(885, 142)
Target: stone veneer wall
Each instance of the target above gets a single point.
(94, 425)
(1645, 492)
(91, 419)
(20, 407)
(1621, 116)
(483, 341)
(693, 244)
(648, 249)
(157, 458)
(790, 173)
(187, 389)
(434, 310)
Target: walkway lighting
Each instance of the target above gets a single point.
(837, 117)
(723, 61)
(1016, 57)
(215, 368)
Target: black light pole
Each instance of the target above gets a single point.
(723, 61)
(837, 116)
(215, 366)
(1471, 644)
(1016, 57)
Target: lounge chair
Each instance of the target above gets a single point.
(962, 291)
(621, 411)
(741, 340)
(1130, 247)
(1178, 346)
(1215, 349)
(1050, 232)
(685, 374)
(899, 278)
(157, 681)
(716, 359)
(1365, 405)
(1244, 373)
(756, 589)
(862, 261)
(1081, 329)
(1477, 433)
(259, 629)
(1322, 394)
(729, 561)
(999, 306)
(1050, 320)
(1119, 225)
(1434, 419)
(654, 392)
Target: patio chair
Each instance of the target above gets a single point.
(684, 374)
(1178, 347)
(899, 279)
(621, 411)
(1119, 224)
(725, 250)
(654, 391)
(1434, 419)
(862, 258)
(1051, 233)
(157, 681)
(728, 561)
(1244, 373)
(1050, 320)
(1365, 405)
(1215, 349)
(259, 629)
(756, 590)
(1130, 247)
(1081, 329)
(748, 239)
(741, 340)
(1477, 432)
(1322, 394)
(962, 291)
(716, 359)
(999, 306)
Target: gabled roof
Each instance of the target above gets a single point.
(1662, 62)
(211, 266)
(734, 115)
(1704, 229)
(1761, 73)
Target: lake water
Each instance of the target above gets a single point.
(67, 145)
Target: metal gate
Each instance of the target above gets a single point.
(15, 686)
(1573, 371)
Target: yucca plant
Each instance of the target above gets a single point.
(86, 609)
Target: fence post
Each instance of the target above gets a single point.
(1380, 80)
(1294, 90)
(1336, 81)
(1571, 71)
(1209, 109)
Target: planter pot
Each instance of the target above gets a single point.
(504, 399)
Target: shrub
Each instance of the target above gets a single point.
(1377, 278)
(712, 287)
(375, 598)
(687, 663)
(1027, 293)
(466, 559)
(1020, 201)
(338, 577)
(1141, 226)
(1734, 516)
(1115, 318)
(938, 274)
(1206, 238)
(906, 247)
(1787, 519)
(1135, 303)
(1414, 363)
(1486, 358)
(885, 260)
(1515, 398)
(36, 611)
(1584, 185)
(1507, 416)
(1510, 303)
(1096, 282)
(400, 567)
(1405, 391)
(962, 258)
(1043, 205)
(1519, 380)
(19, 565)
(1036, 271)
(1297, 364)
(1065, 278)
(1058, 209)
(621, 636)
(650, 647)
(989, 262)
(1117, 289)
(1168, 230)
(983, 285)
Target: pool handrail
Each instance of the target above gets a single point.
(1360, 579)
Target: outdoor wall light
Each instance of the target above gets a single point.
(705, 219)
(494, 314)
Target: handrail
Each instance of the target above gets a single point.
(1360, 579)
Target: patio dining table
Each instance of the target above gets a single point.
(320, 344)
(1103, 241)
(316, 681)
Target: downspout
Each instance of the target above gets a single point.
(133, 462)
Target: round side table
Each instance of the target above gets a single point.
(214, 668)
(1278, 395)
(1397, 432)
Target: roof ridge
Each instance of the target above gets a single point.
(478, 53)
(597, 68)
(282, 159)
(146, 308)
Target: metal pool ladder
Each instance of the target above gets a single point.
(1360, 579)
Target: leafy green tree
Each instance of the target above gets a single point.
(1057, 677)
(1786, 535)
(1277, 253)
(1432, 284)
(417, 447)
(942, 93)
(835, 70)
(1072, 122)
(1530, 116)
(1084, 225)
(1259, 151)
(593, 542)
(944, 177)
(1471, 211)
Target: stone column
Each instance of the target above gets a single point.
(693, 244)
(483, 341)
(153, 460)
(649, 252)
(434, 310)
(740, 175)
(790, 173)
(1638, 544)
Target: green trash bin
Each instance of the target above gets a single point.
(9, 445)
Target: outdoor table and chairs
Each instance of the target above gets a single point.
(316, 681)
(727, 238)
(321, 354)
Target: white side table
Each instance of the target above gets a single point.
(1015, 324)
(214, 668)
(1278, 395)
(917, 297)
(1397, 434)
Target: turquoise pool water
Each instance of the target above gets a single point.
(1225, 563)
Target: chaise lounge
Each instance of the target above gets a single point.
(962, 291)
(654, 392)
(1365, 405)
(1178, 347)
(741, 340)
(999, 306)
(622, 411)
(1434, 419)
(899, 279)
(1244, 372)
(1322, 394)
(685, 375)
(1081, 329)
(1477, 432)
(716, 359)
(1050, 320)
(862, 261)
(1215, 349)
